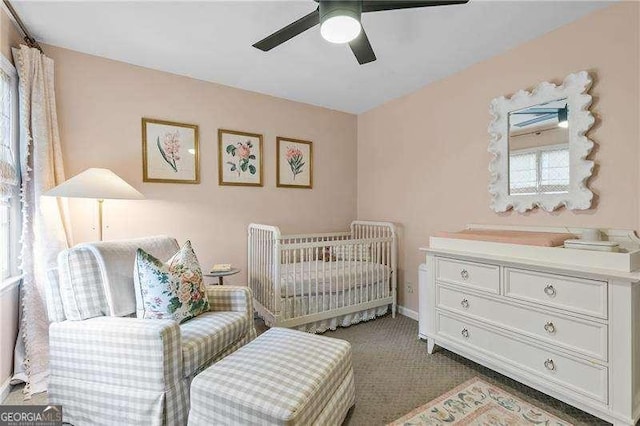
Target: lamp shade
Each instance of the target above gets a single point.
(101, 184)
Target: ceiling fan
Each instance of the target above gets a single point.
(340, 23)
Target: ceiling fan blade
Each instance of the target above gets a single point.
(290, 31)
(362, 49)
(538, 119)
(379, 5)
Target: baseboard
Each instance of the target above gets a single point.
(408, 313)
(5, 388)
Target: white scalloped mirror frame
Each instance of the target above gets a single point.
(574, 88)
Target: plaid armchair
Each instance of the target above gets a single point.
(107, 367)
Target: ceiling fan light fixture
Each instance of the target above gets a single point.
(340, 29)
(340, 23)
(340, 20)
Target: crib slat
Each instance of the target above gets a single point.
(261, 235)
(345, 253)
(316, 281)
(367, 275)
(324, 280)
(384, 262)
(309, 293)
(346, 271)
(307, 261)
(267, 280)
(388, 255)
(300, 283)
(379, 269)
(288, 275)
(269, 295)
(360, 265)
(378, 279)
(331, 265)
(267, 287)
(265, 292)
(271, 292)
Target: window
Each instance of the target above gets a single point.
(554, 170)
(539, 170)
(9, 174)
(523, 173)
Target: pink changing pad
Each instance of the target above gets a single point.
(541, 239)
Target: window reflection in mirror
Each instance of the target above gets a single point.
(539, 149)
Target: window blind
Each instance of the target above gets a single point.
(540, 170)
(523, 173)
(554, 170)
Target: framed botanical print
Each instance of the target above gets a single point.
(170, 152)
(239, 158)
(294, 163)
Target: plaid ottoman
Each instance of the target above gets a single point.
(284, 377)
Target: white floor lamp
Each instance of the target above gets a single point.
(100, 184)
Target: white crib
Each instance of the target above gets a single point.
(315, 282)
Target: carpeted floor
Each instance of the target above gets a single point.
(394, 374)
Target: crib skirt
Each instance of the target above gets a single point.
(343, 320)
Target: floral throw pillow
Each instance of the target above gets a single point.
(172, 290)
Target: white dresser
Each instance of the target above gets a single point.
(571, 331)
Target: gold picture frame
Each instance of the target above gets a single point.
(168, 160)
(296, 156)
(245, 168)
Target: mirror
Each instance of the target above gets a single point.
(540, 148)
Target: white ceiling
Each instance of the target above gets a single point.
(212, 41)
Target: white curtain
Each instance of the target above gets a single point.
(44, 229)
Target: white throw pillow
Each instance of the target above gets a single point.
(361, 252)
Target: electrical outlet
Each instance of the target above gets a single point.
(409, 287)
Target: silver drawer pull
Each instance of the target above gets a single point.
(465, 333)
(550, 327)
(550, 364)
(549, 290)
(465, 303)
(464, 274)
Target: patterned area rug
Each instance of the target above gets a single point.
(477, 403)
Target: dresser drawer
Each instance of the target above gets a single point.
(477, 275)
(581, 377)
(588, 338)
(572, 294)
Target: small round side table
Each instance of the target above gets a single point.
(220, 275)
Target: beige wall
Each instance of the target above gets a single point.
(422, 159)
(9, 37)
(100, 105)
